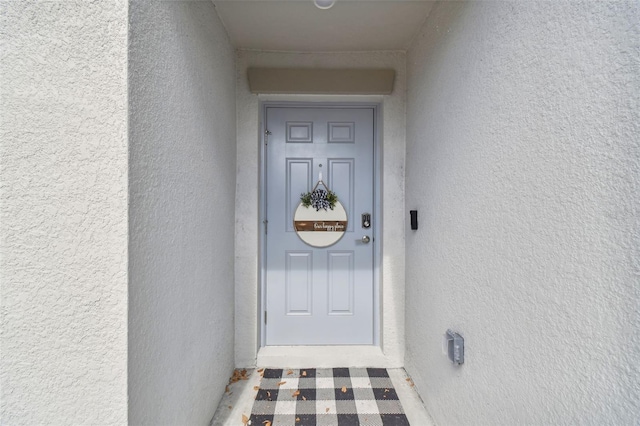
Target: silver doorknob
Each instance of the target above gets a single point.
(366, 239)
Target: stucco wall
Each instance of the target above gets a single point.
(248, 224)
(182, 191)
(63, 224)
(523, 161)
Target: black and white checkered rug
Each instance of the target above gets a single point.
(327, 397)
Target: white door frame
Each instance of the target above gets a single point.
(377, 209)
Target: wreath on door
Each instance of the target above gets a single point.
(320, 220)
(319, 198)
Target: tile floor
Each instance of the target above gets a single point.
(239, 399)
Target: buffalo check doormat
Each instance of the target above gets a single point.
(327, 397)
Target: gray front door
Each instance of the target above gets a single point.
(319, 296)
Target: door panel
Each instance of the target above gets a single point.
(340, 272)
(298, 179)
(319, 296)
(342, 178)
(299, 278)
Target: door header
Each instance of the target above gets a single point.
(321, 81)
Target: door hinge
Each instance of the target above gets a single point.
(266, 137)
(265, 317)
(266, 224)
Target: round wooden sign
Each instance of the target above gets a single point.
(320, 228)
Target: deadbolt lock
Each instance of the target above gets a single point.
(366, 220)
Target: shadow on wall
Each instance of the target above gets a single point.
(182, 180)
(525, 175)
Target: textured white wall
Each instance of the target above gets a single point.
(247, 198)
(523, 160)
(63, 192)
(182, 191)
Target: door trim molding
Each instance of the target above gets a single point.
(377, 202)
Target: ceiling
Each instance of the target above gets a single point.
(297, 25)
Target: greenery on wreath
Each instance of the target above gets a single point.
(319, 199)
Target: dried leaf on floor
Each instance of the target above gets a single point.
(266, 423)
(230, 407)
(386, 390)
(268, 394)
(260, 371)
(304, 374)
(226, 389)
(304, 398)
(410, 381)
(296, 393)
(238, 375)
(290, 372)
(297, 419)
(256, 388)
(327, 410)
(280, 383)
(344, 389)
(245, 420)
